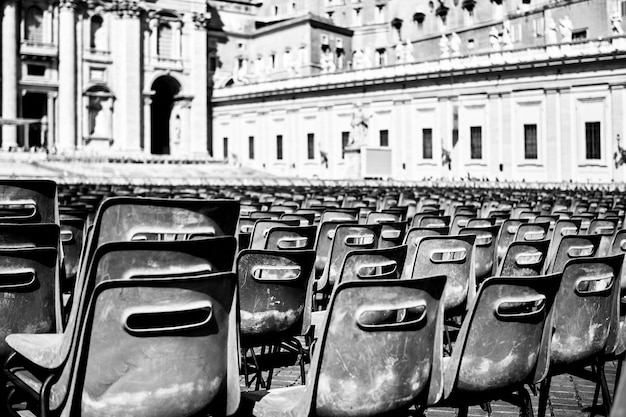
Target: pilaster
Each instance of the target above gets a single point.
(199, 79)
(9, 71)
(67, 75)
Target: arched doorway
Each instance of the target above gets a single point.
(165, 89)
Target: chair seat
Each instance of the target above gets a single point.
(57, 393)
(41, 349)
(285, 402)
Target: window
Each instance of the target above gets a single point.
(251, 147)
(36, 70)
(538, 27)
(381, 57)
(623, 8)
(34, 24)
(530, 141)
(579, 35)
(345, 140)
(427, 143)
(384, 137)
(476, 142)
(273, 61)
(225, 141)
(164, 42)
(592, 140)
(279, 147)
(209, 146)
(310, 140)
(96, 40)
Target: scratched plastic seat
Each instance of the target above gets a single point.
(433, 221)
(347, 238)
(523, 259)
(507, 233)
(574, 247)
(413, 237)
(187, 321)
(431, 216)
(451, 256)
(382, 263)
(585, 323)
(392, 234)
(562, 227)
(532, 232)
(28, 201)
(275, 289)
(291, 238)
(606, 228)
(324, 242)
(481, 222)
(503, 343)
(459, 221)
(485, 264)
(258, 238)
(23, 236)
(47, 357)
(368, 362)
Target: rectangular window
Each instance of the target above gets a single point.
(530, 141)
(427, 143)
(345, 139)
(310, 140)
(384, 137)
(36, 70)
(279, 147)
(624, 8)
(251, 147)
(592, 140)
(476, 142)
(225, 148)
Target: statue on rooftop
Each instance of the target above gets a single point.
(360, 126)
(455, 44)
(494, 39)
(566, 27)
(507, 39)
(616, 24)
(408, 52)
(444, 46)
(551, 31)
(399, 50)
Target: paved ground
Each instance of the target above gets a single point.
(569, 396)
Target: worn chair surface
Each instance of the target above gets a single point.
(524, 258)
(274, 294)
(573, 247)
(383, 263)
(562, 227)
(28, 201)
(484, 250)
(291, 238)
(504, 340)
(22, 236)
(324, 241)
(392, 234)
(378, 355)
(606, 228)
(507, 234)
(262, 227)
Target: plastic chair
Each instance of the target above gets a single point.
(562, 227)
(377, 217)
(508, 230)
(606, 228)
(258, 238)
(485, 264)
(304, 219)
(291, 238)
(188, 323)
(532, 232)
(24, 236)
(392, 234)
(574, 247)
(275, 304)
(503, 343)
(379, 354)
(383, 263)
(324, 241)
(72, 238)
(459, 221)
(524, 259)
(28, 201)
(585, 323)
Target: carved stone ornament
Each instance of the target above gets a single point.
(68, 4)
(127, 8)
(201, 20)
(469, 5)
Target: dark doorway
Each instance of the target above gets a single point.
(34, 106)
(165, 89)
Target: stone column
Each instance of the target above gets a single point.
(67, 139)
(127, 58)
(199, 80)
(9, 71)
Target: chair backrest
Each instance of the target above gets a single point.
(562, 227)
(573, 247)
(508, 230)
(418, 217)
(459, 221)
(291, 237)
(377, 217)
(451, 256)
(186, 323)
(532, 232)
(261, 229)
(72, 238)
(392, 234)
(305, 219)
(505, 337)
(481, 222)
(324, 241)
(485, 264)
(22, 236)
(381, 348)
(339, 214)
(523, 259)
(384, 263)
(28, 201)
(348, 238)
(274, 294)
(586, 310)
(434, 221)
(606, 228)
(30, 292)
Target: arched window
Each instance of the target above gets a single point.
(96, 37)
(34, 24)
(165, 41)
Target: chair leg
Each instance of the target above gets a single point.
(544, 395)
(606, 394)
(618, 374)
(526, 404)
(462, 411)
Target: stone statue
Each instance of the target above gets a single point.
(455, 44)
(408, 52)
(399, 50)
(494, 39)
(360, 125)
(616, 24)
(566, 26)
(444, 46)
(327, 62)
(507, 39)
(357, 59)
(551, 31)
